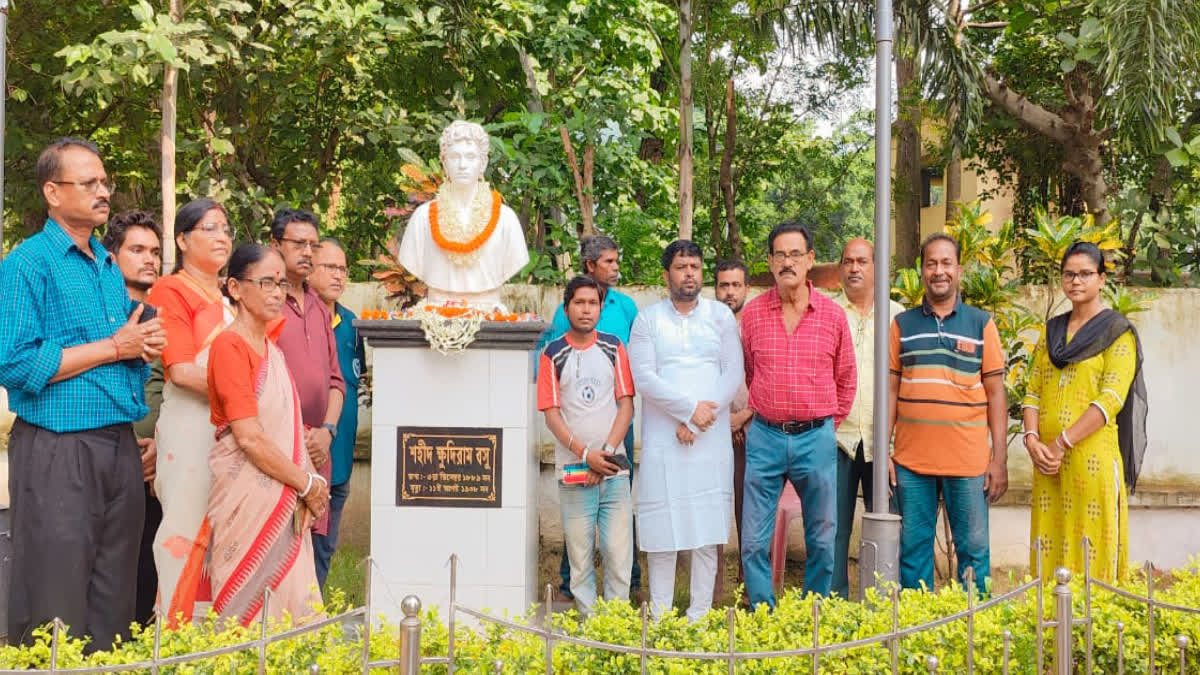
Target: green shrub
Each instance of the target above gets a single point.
(789, 627)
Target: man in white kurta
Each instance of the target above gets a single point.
(686, 359)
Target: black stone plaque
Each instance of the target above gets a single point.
(448, 466)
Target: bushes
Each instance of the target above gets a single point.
(790, 627)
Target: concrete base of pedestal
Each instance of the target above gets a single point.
(411, 546)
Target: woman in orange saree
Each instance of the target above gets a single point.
(193, 313)
(265, 492)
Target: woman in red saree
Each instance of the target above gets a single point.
(265, 492)
(193, 313)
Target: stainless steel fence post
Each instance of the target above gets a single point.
(1087, 602)
(366, 632)
(645, 634)
(969, 585)
(816, 657)
(894, 593)
(157, 641)
(731, 615)
(1041, 611)
(314, 669)
(497, 666)
(1007, 648)
(1120, 648)
(1150, 612)
(453, 607)
(932, 664)
(54, 645)
(549, 632)
(410, 636)
(1062, 621)
(1182, 642)
(262, 634)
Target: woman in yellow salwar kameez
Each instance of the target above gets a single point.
(1085, 421)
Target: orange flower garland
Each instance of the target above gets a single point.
(467, 246)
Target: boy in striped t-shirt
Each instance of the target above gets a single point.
(586, 392)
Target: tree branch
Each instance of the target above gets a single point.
(1025, 111)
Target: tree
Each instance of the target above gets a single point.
(1122, 68)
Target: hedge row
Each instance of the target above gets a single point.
(789, 627)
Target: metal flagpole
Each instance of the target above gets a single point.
(3, 96)
(879, 558)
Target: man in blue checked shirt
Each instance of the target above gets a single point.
(601, 261)
(73, 355)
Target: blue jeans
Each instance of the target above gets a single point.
(635, 575)
(967, 511)
(324, 545)
(605, 509)
(851, 472)
(809, 461)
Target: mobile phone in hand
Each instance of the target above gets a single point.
(148, 313)
(621, 461)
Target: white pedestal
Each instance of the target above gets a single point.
(489, 385)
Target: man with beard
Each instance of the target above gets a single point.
(946, 396)
(601, 262)
(687, 365)
(801, 376)
(329, 281)
(731, 288)
(307, 341)
(73, 357)
(857, 271)
(134, 238)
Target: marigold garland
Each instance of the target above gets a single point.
(467, 246)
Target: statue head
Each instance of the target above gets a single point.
(464, 152)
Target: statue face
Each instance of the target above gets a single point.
(463, 163)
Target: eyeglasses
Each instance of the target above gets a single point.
(90, 186)
(302, 244)
(795, 256)
(214, 228)
(269, 284)
(1084, 276)
(335, 269)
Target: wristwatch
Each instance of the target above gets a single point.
(332, 428)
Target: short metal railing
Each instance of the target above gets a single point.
(409, 659)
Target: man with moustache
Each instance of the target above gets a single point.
(601, 262)
(731, 288)
(329, 281)
(307, 341)
(801, 376)
(687, 365)
(134, 238)
(946, 396)
(857, 271)
(73, 357)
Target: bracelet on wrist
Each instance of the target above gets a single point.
(1065, 440)
(308, 488)
(585, 452)
(116, 349)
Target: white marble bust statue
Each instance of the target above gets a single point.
(465, 244)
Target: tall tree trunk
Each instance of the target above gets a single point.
(731, 225)
(583, 182)
(907, 182)
(952, 179)
(1074, 131)
(712, 179)
(335, 199)
(167, 143)
(686, 22)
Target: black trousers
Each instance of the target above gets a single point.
(77, 511)
(147, 573)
